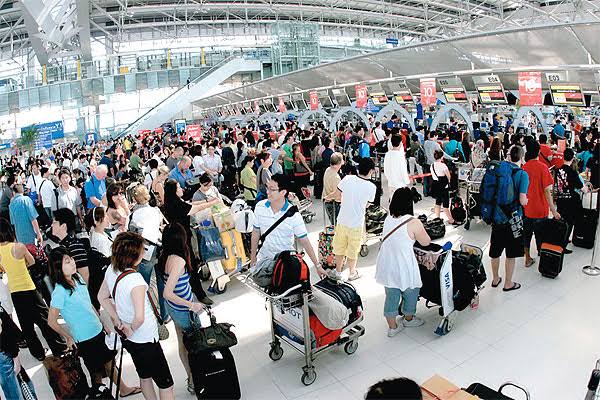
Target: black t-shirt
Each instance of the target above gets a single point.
(177, 212)
(567, 181)
(326, 156)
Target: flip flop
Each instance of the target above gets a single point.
(135, 391)
(497, 284)
(515, 286)
(530, 263)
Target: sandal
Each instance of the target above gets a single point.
(515, 286)
(136, 390)
(354, 276)
(530, 263)
(498, 283)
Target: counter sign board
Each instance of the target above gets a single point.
(567, 94)
(455, 94)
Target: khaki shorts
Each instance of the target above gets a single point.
(347, 241)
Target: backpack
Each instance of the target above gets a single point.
(289, 271)
(83, 196)
(420, 156)
(457, 209)
(498, 194)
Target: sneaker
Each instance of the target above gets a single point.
(394, 332)
(190, 387)
(568, 251)
(337, 276)
(413, 322)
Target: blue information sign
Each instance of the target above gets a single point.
(391, 40)
(47, 133)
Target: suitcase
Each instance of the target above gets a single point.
(215, 375)
(326, 247)
(323, 336)
(551, 260)
(584, 231)
(345, 293)
(234, 251)
(484, 392)
(66, 377)
(554, 232)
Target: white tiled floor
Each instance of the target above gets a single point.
(543, 336)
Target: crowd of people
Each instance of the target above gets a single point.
(130, 204)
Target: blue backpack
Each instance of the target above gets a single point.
(499, 197)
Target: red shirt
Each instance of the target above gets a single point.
(545, 154)
(539, 179)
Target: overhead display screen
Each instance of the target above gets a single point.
(403, 96)
(567, 94)
(341, 97)
(492, 93)
(377, 95)
(455, 94)
(299, 102)
(324, 98)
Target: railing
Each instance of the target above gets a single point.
(163, 101)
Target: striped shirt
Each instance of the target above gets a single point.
(76, 250)
(182, 290)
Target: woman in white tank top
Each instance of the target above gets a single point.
(397, 268)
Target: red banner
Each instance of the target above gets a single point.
(194, 132)
(530, 89)
(361, 96)
(282, 107)
(428, 93)
(314, 100)
(159, 130)
(256, 107)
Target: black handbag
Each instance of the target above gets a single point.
(435, 228)
(213, 337)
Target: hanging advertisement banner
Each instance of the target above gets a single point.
(256, 107)
(194, 132)
(530, 89)
(281, 106)
(428, 93)
(361, 96)
(314, 100)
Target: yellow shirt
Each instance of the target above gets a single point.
(127, 144)
(331, 179)
(19, 279)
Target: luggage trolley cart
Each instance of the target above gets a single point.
(290, 324)
(304, 206)
(435, 265)
(374, 218)
(473, 203)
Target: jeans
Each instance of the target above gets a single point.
(8, 378)
(332, 208)
(145, 269)
(48, 212)
(412, 164)
(427, 180)
(31, 310)
(393, 296)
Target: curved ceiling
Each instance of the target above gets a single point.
(569, 47)
(408, 20)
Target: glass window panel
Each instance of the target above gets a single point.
(174, 78)
(119, 83)
(109, 84)
(44, 95)
(142, 81)
(163, 79)
(76, 90)
(152, 78)
(130, 85)
(23, 99)
(34, 97)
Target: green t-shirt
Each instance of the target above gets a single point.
(288, 165)
(135, 161)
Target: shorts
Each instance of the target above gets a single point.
(531, 226)
(441, 193)
(182, 319)
(150, 362)
(347, 241)
(502, 239)
(95, 354)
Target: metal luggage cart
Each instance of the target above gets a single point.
(441, 262)
(304, 206)
(369, 237)
(290, 324)
(473, 200)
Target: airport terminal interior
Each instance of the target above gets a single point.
(298, 199)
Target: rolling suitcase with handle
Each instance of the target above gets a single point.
(584, 231)
(215, 375)
(552, 250)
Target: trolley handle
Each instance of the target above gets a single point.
(506, 384)
(246, 277)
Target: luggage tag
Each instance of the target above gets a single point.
(148, 251)
(217, 354)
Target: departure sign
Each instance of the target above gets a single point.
(492, 93)
(567, 94)
(455, 94)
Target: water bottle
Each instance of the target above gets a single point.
(593, 385)
(206, 223)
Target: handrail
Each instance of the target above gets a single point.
(193, 81)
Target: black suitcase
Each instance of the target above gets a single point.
(484, 392)
(554, 232)
(215, 375)
(551, 260)
(345, 293)
(584, 230)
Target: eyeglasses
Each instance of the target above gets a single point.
(272, 190)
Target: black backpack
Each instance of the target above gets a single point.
(457, 209)
(420, 156)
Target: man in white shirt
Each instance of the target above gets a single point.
(46, 191)
(151, 176)
(394, 165)
(357, 191)
(379, 133)
(35, 179)
(198, 161)
(212, 163)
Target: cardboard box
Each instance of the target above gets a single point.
(439, 388)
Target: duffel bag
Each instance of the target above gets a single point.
(435, 228)
(290, 270)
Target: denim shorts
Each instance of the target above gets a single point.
(393, 296)
(182, 319)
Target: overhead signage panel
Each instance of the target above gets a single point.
(492, 93)
(567, 94)
(455, 94)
